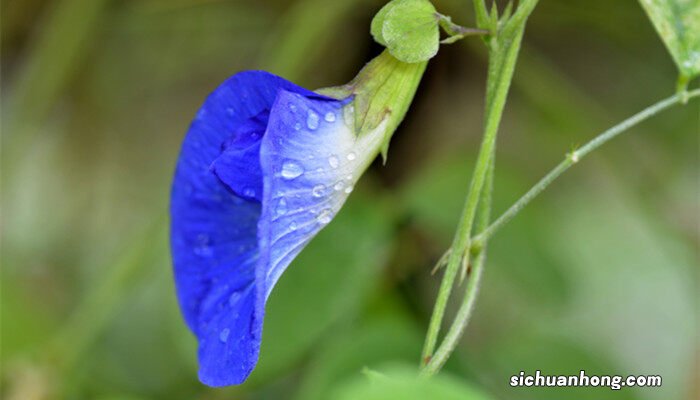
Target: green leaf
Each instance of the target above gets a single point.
(409, 29)
(402, 382)
(678, 24)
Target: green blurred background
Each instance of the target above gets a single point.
(600, 273)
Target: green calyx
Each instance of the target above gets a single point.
(383, 90)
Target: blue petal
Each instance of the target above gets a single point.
(238, 166)
(264, 167)
(311, 160)
(214, 225)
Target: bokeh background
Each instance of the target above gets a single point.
(599, 273)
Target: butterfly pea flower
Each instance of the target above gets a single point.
(266, 165)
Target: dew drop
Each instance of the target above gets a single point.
(223, 335)
(333, 161)
(348, 189)
(202, 246)
(330, 116)
(297, 126)
(349, 115)
(349, 177)
(293, 226)
(312, 120)
(292, 107)
(317, 191)
(351, 156)
(249, 192)
(233, 300)
(339, 186)
(325, 216)
(291, 170)
(281, 207)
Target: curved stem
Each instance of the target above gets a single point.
(461, 319)
(465, 311)
(575, 156)
(504, 50)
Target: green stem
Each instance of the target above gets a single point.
(575, 156)
(465, 311)
(461, 319)
(473, 278)
(501, 66)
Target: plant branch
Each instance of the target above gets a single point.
(576, 155)
(504, 48)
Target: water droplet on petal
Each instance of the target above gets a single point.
(223, 335)
(317, 191)
(297, 126)
(249, 192)
(349, 115)
(351, 156)
(312, 120)
(281, 207)
(235, 296)
(292, 107)
(333, 161)
(291, 170)
(202, 246)
(325, 216)
(293, 226)
(330, 116)
(348, 189)
(349, 177)
(339, 186)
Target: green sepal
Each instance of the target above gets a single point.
(382, 91)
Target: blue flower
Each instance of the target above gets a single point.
(264, 167)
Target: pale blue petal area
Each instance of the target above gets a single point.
(311, 160)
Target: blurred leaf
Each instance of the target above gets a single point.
(327, 283)
(147, 349)
(678, 24)
(98, 306)
(389, 337)
(529, 352)
(31, 323)
(635, 281)
(518, 251)
(56, 52)
(409, 29)
(305, 33)
(401, 382)
(445, 178)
